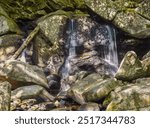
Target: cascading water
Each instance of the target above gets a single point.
(71, 46)
(101, 35)
(110, 52)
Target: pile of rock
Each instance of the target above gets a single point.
(34, 84)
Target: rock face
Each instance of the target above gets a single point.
(131, 96)
(92, 88)
(20, 73)
(130, 16)
(49, 43)
(5, 93)
(130, 68)
(31, 92)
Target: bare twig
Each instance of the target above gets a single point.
(25, 43)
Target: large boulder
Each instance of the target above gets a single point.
(5, 93)
(92, 88)
(48, 44)
(52, 25)
(130, 68)
(31, 92)
(19, 73)
(130, 16)
(134, 96)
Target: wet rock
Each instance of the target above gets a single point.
(54, 83)
(90, 49)
(92, 88)
(134, 96)
(89, 61)
(146, 55)
(5, 93)
(130, 68)
(130, 16)
(19, 74)
(54, 63)
(89, 107)
(8, 45)
(30, 92)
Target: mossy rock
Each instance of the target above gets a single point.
(131, 16)
(130, 68)
(30, 9)
(7, 25)
(134, 96)
(92, 88)
(21, 74)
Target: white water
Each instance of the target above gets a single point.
(110, 52)
(71, 43)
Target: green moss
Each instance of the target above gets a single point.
(107, 100)
(29, 9)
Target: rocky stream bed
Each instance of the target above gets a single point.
(74, 55)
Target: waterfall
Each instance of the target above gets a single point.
(110, 52)
(71, 46)
(101, 35)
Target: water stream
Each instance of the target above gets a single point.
(109, 51)
(71, 46)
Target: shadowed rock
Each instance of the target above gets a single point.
(30, 92)
(92, 88)
(19, 74)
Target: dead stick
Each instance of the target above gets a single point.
(26, 42)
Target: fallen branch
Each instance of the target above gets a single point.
(25, 43)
